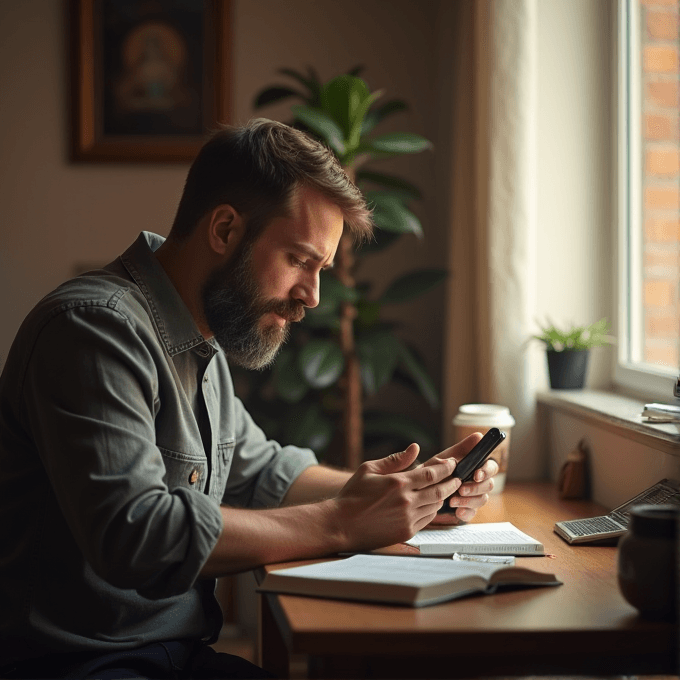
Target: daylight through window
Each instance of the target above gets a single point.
(650, 205)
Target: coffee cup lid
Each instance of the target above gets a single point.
(484, 415)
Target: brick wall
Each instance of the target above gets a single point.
(659, 22)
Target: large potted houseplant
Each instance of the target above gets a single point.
(345, 352)
(567, 351)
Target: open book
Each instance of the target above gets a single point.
(410, 581)
(486, 538)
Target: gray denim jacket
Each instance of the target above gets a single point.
(120, 435)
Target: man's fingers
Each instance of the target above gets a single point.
(471, 495)
(432, 473)
(475, 501)
(457, 451)
(466, 514)
(395, 462)
(489, 469)
(476, 488)
(438, 493)
(428, 517)
(448, 519)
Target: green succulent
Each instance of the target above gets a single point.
(576, 337)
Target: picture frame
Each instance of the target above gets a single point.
(149, 80)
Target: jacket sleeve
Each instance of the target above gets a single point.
(262, 470)
(89, 401)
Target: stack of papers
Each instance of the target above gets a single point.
(661, 413)
(484, 538)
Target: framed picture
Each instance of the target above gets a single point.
(150, 78)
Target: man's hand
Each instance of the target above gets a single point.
(385, 502)
(472, 495)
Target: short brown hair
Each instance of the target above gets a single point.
(256, 169)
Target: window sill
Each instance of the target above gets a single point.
(616, 413)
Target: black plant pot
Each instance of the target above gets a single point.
(567, 369)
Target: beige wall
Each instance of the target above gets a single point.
(574, 179)
(56, 215)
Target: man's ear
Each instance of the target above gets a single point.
(226, 228)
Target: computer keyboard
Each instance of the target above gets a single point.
(592, 526)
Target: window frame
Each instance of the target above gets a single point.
(640, 378)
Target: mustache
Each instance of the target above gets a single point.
(288, 309)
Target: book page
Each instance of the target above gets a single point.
(384, 569)
(489, 533)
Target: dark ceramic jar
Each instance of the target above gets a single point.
(648, 560)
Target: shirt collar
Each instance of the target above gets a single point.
(175, 324)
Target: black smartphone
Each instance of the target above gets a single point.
(475, 459)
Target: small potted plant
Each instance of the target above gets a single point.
(568, 350)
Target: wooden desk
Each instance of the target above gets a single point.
(582, 627)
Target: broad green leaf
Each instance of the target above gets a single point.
(312, 84)
(322, 125)
(308, 427)
(381, 240)
(379, 113)
(379, 327)
(356, 123)
(416, 370)
(396, 143)
(288, 381)
(390, 214)
(368, 313)
(322, 318)
(332, 293)
(325, 307)
(404, 189)
(274, 94)
(397, 427)
(321, 362)
(413, 285)
(404, 197)
(378, 355)
(341, 98)
(332, 289)
(314, 76)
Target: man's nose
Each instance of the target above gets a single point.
(307, 291)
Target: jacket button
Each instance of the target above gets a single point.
(193, 477)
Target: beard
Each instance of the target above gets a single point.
(234, 309)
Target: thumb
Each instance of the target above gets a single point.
(396, 462)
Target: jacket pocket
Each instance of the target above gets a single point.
(225, 454)
(182, 470)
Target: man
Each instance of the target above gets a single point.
(131, 476)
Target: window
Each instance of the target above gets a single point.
(649, 196)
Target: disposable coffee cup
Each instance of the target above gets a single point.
(481, 418)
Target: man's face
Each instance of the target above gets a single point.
(250, 302)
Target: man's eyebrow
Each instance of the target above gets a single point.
(313, 253)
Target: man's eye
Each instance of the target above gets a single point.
(298, 263)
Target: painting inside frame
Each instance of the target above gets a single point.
(150, 77)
